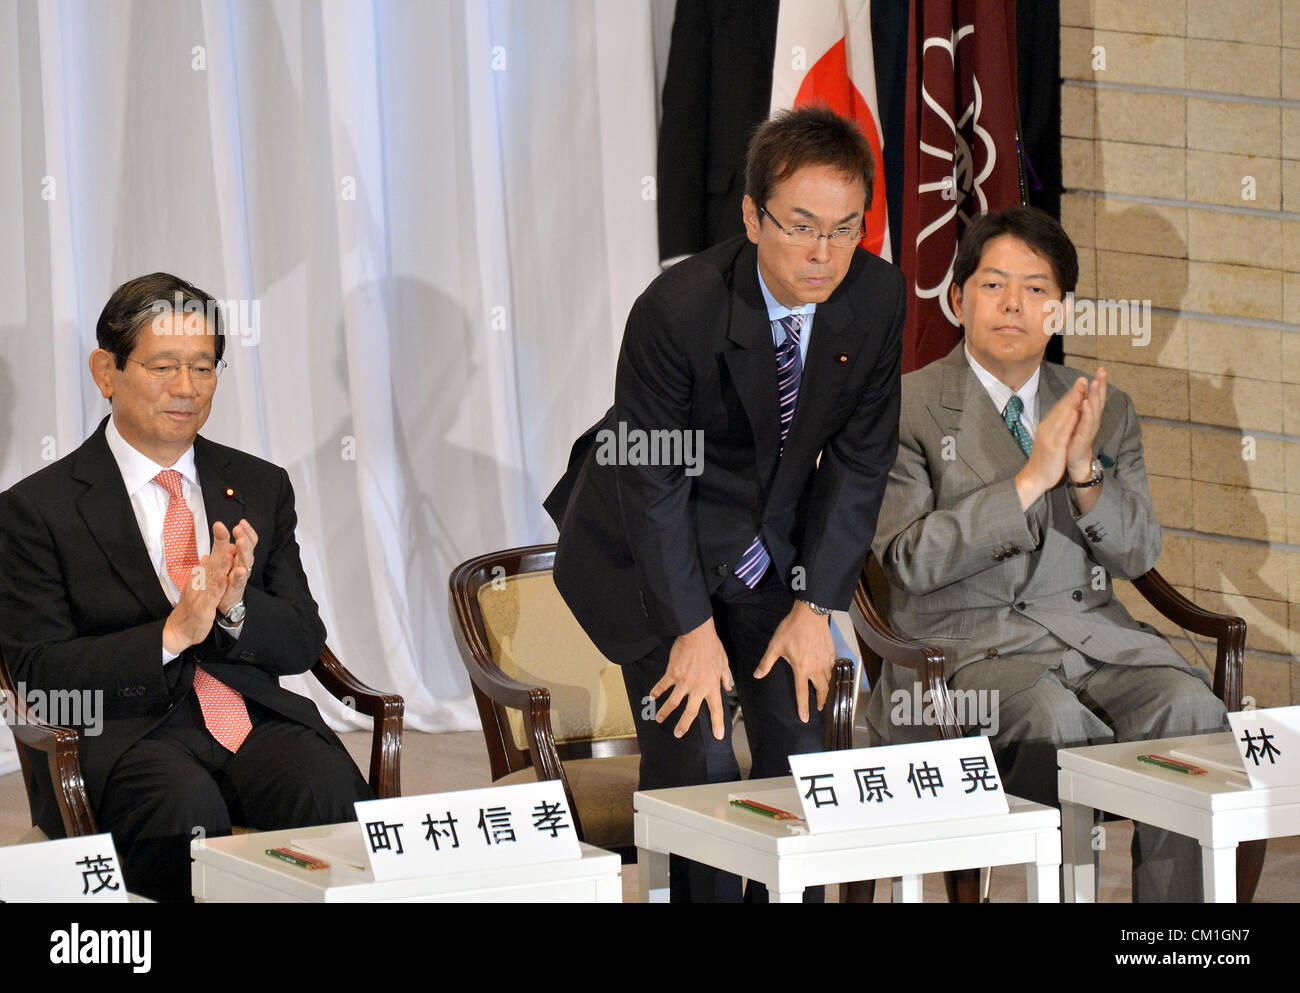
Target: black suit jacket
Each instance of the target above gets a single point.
(717, 90)
(81, 607)
(642, 548)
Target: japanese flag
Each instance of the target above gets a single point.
(824, 55)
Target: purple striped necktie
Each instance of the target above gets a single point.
(789, 370)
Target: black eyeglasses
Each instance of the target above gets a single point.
(805, 236)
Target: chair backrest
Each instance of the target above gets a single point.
(513, 620)
(878, 642)
(59, 745)
(872, 595)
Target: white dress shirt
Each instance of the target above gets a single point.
(1000, 393)
(149, 501)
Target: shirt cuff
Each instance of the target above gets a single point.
(231, 629)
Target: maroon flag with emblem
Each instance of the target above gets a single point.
(961, 158)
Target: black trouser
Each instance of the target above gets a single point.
(745, 620)
(178, 783)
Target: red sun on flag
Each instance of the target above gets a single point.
(828, 82)
(824, 55)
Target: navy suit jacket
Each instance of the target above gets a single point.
(643, 548)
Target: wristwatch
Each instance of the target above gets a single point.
(235, 616)
(815, 608)
(1096, 476)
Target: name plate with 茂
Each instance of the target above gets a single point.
(1269, 743)
(898, 784)
(68, 870)
(471, 829)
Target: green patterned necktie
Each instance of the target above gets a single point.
(1012, 416)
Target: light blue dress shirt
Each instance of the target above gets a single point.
(776, 311)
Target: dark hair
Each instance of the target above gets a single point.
(138, 301)
(810, 135)
(1040, 231)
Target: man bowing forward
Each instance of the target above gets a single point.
(776, 354)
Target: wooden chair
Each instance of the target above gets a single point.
(59, 744)
(553, 707)
(877, 642)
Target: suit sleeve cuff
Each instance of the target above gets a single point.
(1022, 526)
(231, 629)
(1107, 510)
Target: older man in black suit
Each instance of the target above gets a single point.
(771, 363)
(160, 570)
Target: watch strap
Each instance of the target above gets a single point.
(1096, 477)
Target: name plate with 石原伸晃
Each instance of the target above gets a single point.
(491, 828)
(66, 870)
(898, 784)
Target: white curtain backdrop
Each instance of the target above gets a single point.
(443, 209)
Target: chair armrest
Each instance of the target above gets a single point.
(927, 662)
(535, 704)
(1227, 630)
(345, 687)
(60, 746)
(385, 709)
(839, 715)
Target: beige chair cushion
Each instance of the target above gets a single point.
(602, 789)
(534, 638)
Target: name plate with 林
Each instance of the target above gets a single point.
(1268, 741)
(67, 870)
(491, 828)
(898, 784)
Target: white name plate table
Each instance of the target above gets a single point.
(1218, 809)
(699, 823)
(236, 869)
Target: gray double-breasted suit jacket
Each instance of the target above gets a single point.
(973, 574)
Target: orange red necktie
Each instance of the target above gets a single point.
(224, 711)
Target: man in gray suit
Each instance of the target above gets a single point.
(1019, 493)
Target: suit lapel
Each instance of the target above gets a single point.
(752, 362)
(1052, 384)
(223, 500)
(106, 509)
(965, 411)
(834, 333)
